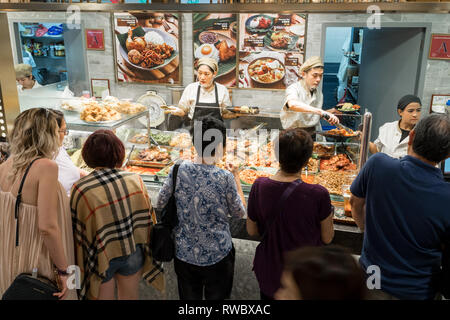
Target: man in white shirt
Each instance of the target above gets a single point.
(24, 77)
(302, 106)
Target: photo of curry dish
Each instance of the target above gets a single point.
(266, 70)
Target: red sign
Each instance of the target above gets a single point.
(94, 39)
(440, 46)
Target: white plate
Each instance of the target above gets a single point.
(167, 39)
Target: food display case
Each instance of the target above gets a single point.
(86, 115)
(337, 154)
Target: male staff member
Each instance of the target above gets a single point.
(402, 205)
(306, 99)
(24, 77)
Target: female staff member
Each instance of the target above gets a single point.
(393, 136)
(204, 97)
(305, 99)
(24, 77)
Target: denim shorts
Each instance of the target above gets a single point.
(126, 265)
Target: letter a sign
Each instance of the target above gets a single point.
(440, 47)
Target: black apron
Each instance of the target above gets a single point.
(206, 109)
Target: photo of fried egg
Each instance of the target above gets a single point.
(207, 50)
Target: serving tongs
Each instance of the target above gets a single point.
(129, 156)
(153, 141)
(254, 129)
(339, 125)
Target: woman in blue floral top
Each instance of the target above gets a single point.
(205, 197)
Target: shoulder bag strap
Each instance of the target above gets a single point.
(174, 177)
(19, 200)
(170, 219)
(281, 204)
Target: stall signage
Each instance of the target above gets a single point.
(440, 47)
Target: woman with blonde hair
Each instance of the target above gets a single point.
(42, 236)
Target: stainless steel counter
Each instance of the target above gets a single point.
(345, 235)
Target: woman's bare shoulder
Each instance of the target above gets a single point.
(45, 166)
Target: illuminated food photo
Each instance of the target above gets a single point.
(266, 70)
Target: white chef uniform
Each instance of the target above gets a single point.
(388, 140)
(298, 92)
(188, 99)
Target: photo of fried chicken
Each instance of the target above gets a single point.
(225, 52)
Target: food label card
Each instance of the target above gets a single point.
(252, 42)
(224, 26)
(291, 62)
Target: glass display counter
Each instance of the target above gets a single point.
(337, 154)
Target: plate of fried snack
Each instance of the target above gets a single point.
(155, 157)
(125, 106)
(77, 104)
(99, 114)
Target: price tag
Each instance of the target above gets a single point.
(221, 26)
(126, 22)
(254, 42)
(283, 20)
(291, 62)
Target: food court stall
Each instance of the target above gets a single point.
(130, 49)
(337, 153)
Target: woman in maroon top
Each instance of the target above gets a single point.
(307, 218)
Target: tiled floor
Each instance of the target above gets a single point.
(245, 286)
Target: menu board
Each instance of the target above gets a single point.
(271, 49)
(147, 47)
(214, 36)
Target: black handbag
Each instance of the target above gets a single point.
(162, 240)
(29, 286)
